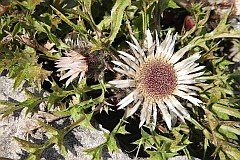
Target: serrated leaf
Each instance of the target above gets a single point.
(7, 103)
(9, 110)
(59, 43)
(222, 155)
(116, 17)
(206, 145)
(60, 144)
(86, 123)
(88, 5)
(220, 114)
(231, 129)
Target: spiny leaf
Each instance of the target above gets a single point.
(9, 108)
(34, 149)
(96, 152)
(43, 27)
(65, 19)
(30, 104)
(112, 144)
(49, 128)
(122, 130)
(116, 17)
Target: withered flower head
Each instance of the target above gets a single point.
(74, 64)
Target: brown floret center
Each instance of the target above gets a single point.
(156, 79)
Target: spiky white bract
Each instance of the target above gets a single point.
(74, 64)
(158, 79)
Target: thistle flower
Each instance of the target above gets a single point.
(74, 64)
(156, 77)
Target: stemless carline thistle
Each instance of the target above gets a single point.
(156, 77)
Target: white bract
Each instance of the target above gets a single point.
(158, 78)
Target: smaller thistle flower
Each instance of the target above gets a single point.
(74, 64)
(157, 77)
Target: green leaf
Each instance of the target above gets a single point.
(42, 27)
(65, 19)
(173, 5)
(222, 155)
(105, 23)
(86, 123)
(30, 104)
(49, 128)
(234, 152)
(122, 130)
(111, 143)
(19, 78)
(31, 4)
(231, 129)
(96, 152)
(175, 148)
(88, 5)
(17, 28)
(156, 155)
(8, 108)
(116, 17)
(34, 149)
(206, 145)
(226, 110)
(220, 114)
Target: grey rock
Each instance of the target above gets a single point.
(18, 125)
